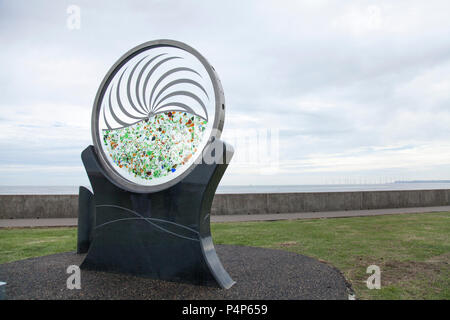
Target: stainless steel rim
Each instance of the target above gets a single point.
(217, 124)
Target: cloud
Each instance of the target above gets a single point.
(354, 88)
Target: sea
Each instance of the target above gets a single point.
(227, 189)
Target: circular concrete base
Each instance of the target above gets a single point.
(259, 274)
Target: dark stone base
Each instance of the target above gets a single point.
(259, 273)
(163, 235)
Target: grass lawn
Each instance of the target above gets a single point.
(17, 244)
(412, 250)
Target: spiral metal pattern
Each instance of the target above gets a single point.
(153, 84)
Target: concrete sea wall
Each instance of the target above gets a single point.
(66, 206)
(38, 206)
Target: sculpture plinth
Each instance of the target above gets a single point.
(164, 235)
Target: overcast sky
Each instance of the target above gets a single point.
(358, 91)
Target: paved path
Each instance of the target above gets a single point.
(71, 222)
(324, 214)
(26, 223)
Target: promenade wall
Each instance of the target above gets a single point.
(66, 206)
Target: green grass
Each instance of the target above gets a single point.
(412, 250)
(17, 244)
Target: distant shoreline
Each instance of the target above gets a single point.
(236, 189)
(423, 181)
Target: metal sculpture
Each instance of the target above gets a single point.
(157, 116)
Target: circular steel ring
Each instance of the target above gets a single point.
(217, 126)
